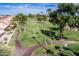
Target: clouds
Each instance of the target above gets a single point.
(7, 6)
(34, 8)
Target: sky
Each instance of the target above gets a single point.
(26, 8)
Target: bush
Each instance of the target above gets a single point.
(5, 52)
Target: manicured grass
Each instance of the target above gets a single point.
(71, 35)
(32, 29)
(67, 53)
(74, 48)
(40, 52)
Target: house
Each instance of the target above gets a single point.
(1, 32)
(4, 23)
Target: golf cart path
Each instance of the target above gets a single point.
(21, 51)
(62, 41)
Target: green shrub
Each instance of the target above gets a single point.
(5, 52)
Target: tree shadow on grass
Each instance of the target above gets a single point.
(54, 28)
(57, 29)
(50, 34)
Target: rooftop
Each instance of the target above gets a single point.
(1, 31)
(5, 22)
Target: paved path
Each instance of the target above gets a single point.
(63, 42)
(9, 37)
(20, 51)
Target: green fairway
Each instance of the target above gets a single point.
(33, 29)
(71, 35)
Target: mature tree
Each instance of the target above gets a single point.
(68, 8)
(77, 16)
(41, 17)
(38, 17)
(20, 20)
(61, 22)
(63, 15)
(14, 25)
(72, 21)
(58, 17)
(49, 11)
(71, 10)
(30, 15)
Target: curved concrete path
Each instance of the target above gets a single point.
(20, 51)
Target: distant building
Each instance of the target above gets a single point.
(1, 32)
(4, 24)
(5, 21)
